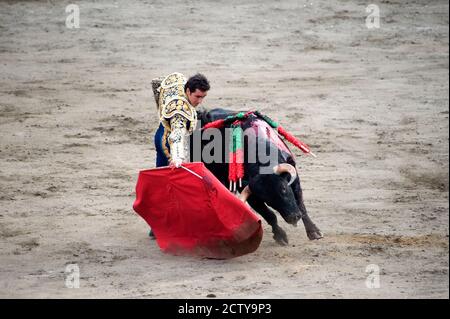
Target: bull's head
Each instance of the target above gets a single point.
(278, 190)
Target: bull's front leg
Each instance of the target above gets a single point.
(279, 234)
(312, 231)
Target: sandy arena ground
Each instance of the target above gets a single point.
(77, 119)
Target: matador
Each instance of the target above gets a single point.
(176, 99)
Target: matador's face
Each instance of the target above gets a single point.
(195, 98)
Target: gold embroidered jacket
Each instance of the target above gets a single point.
(176, 114)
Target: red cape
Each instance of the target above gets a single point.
(194, 216)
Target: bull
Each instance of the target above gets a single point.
(279, 190)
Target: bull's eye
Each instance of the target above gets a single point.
(283, 190)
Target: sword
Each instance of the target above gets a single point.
(192, 172)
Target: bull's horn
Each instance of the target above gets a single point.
(246, 192)
(286, 168)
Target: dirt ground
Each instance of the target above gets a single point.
(77, 119)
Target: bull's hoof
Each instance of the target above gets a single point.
(312, 231)
(315, 234)
(151, 234)
(280, 236)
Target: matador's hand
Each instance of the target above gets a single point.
(176, 163)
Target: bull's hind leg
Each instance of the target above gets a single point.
(279, 234)
(312, 231)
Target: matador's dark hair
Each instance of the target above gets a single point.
(197, 81)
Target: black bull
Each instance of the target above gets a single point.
(280, 190)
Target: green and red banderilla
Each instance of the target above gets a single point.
(236, 152)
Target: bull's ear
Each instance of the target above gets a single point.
(297, 192)
(286, 176)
